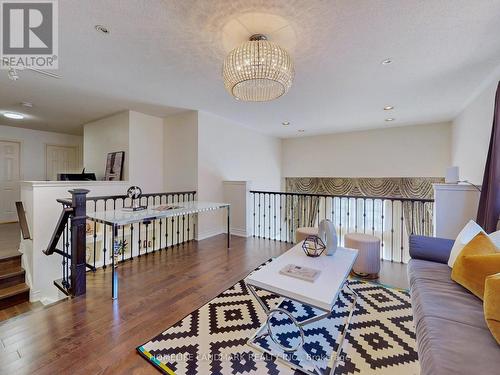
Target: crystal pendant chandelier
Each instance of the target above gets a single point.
(258, 70)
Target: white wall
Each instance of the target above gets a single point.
(410, 151)
(42, 213)
(103, 136)
(146, 152)
(471, 133)
(227, 151)
(33, 145)
(181, 151)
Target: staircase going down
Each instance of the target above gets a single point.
(13, 288)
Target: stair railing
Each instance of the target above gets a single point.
(71, 227)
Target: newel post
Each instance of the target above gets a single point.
(78, 243)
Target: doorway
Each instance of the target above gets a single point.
(60, 159)
(10, 157)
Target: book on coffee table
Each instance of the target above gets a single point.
(299, 272)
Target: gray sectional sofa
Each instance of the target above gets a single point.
(452, 335)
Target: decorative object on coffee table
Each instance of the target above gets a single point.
(114, 166)
(367, 264)
(327, 232)
(134, 193)
(313, 246)
(303, 232)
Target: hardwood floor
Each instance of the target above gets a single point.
(94, 335)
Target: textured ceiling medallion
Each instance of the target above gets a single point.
(258, 70)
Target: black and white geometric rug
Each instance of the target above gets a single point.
(213, 339)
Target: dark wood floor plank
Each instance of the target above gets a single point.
(94, 335)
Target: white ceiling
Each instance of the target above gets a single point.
(164, 56)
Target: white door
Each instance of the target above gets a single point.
(61, 159)
(9, 179)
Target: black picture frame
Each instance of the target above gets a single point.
(114, 166)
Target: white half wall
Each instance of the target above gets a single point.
(33, 148)
(230, 152)
(471, 133)
(410, 151)
(110, 134)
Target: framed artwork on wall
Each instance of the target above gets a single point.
(114, 166)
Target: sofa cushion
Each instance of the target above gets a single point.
(492, 305)
(447, 301)
(477, 260)
(449, 348)
(422, 269)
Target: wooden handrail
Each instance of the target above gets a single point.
(23, 223)
(61, 223)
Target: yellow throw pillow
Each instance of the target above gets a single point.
(477, 260)
(492, 305)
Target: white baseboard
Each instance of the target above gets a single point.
(35, 295)
(207, 234)
(239, 232)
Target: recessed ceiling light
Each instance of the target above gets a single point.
(389, 119)
(102, 29)
(27, 104)
(14, 116)
(388, 107)
(301, 130)
(285, 123)
(387, 62)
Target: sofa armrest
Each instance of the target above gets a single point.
(430, 248)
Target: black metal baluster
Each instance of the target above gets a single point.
(280, 216)
(178, 230)
(188, 225)
(373, 217)
(68, 247)
(412, 217)
(146, 244)
(364, 215)
(269, 219)
(401, 239)
(154, 227)
(104, 243)
(166, 225)
(348, 215)
(340, 220)
(333, 210)
(253, 195)
(259, 216)
(325, 208)
(139, 243)
(274, 198)
(64, 259)
(183, 220)
(95, 234)
(382, 218)
(392, 230)
(264, 217)
(173, 222)
(286, 218)
(131, 241)
(356, 215)
(123, 242)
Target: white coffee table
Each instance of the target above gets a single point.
(321, 294)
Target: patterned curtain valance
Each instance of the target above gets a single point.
(396, 187)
